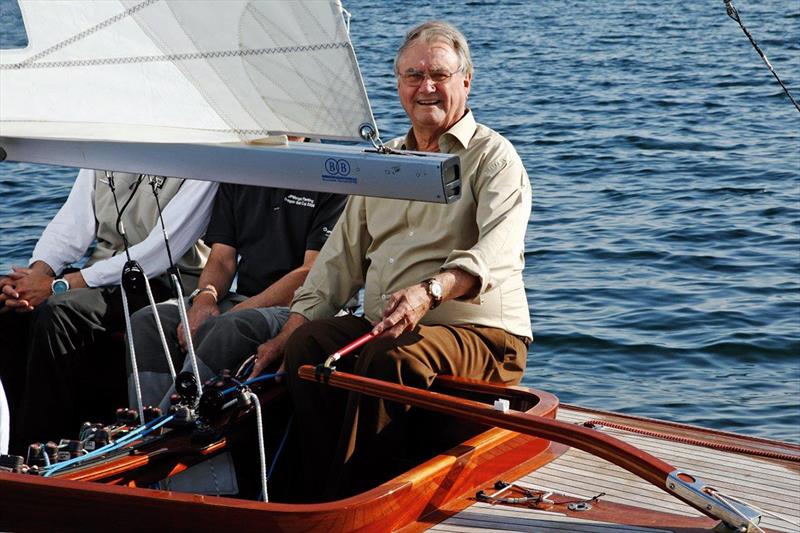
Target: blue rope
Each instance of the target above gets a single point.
(143, 431)
(110, 447)
(251, 381)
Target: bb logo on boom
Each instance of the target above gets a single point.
(338, 170)
(337, 167)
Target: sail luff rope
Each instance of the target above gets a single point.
(734, 14)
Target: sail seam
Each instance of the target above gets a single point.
(87, 32)
(212, 130)
(174, 57)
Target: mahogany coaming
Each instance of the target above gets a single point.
(31, 503)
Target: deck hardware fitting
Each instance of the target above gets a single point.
(736, 515)
(579, 506)
(501, 405)
(323, 373)
(368, 133)
(536, 497)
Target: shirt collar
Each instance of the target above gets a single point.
(462, 131)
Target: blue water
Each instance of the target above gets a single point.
(663, 253)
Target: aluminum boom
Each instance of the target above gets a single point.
(423, 176)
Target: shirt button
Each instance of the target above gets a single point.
(410, 233)
(383, 297)
(391, 260)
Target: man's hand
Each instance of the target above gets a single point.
(7, 291)
(272, 350)
(403, 312)
(26, 288)
(201, 309)
(267, 353)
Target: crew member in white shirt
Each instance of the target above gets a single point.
(52, 315)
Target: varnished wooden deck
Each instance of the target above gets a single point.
(768, 484)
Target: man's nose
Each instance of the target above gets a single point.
(428, 85)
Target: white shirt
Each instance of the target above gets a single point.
(67, 237)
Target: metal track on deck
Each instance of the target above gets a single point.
(768, 484)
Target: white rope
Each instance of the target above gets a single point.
(727, 501)
(261, 453)
(188, 335)
(134, 367)
(161, 335)
(762, 511)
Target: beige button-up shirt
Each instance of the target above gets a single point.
(385, 245)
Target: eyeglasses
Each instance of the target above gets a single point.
(414, 78)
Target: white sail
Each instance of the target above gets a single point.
(190, 71)
(184, 87)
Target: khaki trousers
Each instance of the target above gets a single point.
(345, 439)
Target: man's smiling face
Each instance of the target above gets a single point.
(432, 107)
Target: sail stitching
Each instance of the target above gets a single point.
(175, 57)
(324, 102)
(213, 130)
(87, 32)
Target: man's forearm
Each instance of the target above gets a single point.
(279, 293)
(294, 321)
(75, 279)
(220, 282)
(44, 268)
(282, 291)
(457, 283)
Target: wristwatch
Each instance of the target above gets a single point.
(59, 286)
(434, 289)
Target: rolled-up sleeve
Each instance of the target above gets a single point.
(503, 193)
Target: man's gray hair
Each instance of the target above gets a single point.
(437, 30)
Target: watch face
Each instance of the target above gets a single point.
(60, 286)
(436, 290)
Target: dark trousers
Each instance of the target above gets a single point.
(346, 440)
(51, 370)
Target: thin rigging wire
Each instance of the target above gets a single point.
(734, 14)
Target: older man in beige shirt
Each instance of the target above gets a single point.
(443, 287)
